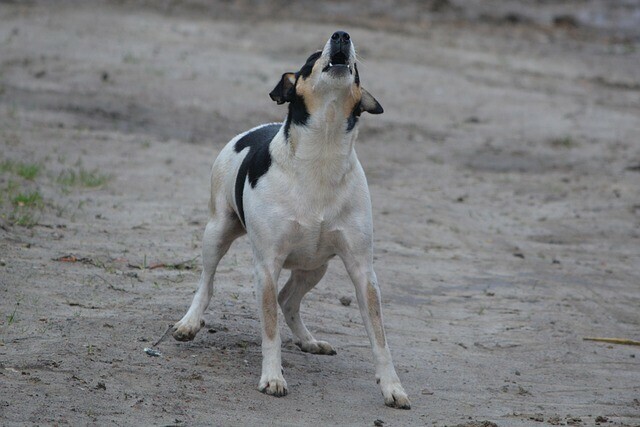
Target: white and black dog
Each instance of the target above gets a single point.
(299, 192)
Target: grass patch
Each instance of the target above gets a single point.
(24, 218)
(23, 207)
(563, 142)
(21, 201)
(8, 191)
(31, 199)
(19, 204)
(82, 178)
(26, 209)
(12, 318)
(130, 58)
(6, 166)
(25, 170)
(28, 170)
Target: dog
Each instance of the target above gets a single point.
(299, 192)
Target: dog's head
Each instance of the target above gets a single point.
(328, 75)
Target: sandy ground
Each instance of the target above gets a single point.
(505, 177)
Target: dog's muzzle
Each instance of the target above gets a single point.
(340, 44)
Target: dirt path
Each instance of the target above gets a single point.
(506, 191)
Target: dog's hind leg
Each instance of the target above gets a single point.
(223, 228)
(289, 299)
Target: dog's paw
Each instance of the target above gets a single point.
(186, 330)
(316, 347)
(274, 386)
(395, 396)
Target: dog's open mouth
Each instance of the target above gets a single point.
(338, 61)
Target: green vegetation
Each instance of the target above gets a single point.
(27, 171)
(21, 200)
(563, 142)
(82, 178)
(130, 58)
(26, 208)
(25, 203)
(12, 318)
(31, 199)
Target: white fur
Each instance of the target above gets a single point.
(312, 204)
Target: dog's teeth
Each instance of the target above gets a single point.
(330, 64)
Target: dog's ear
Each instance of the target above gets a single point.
(369, 104)
(284, 90)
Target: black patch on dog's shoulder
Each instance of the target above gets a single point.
(257, 161)
(352, 120)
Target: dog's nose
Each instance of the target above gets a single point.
(341, 37)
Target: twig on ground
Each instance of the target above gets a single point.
(622, 341)
(164, 336)
(73, 258)
(182, 265)
(109, 284)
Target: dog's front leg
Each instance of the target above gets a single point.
(272, 381)
(368, 295)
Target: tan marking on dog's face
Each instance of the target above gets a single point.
(373, 306)
(313, 99)
(270, 310)
(305, 89)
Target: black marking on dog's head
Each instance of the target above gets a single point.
(285, 89)
(255, 163)
(306, 69)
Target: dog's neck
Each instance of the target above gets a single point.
(322, 145)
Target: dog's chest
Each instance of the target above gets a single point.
(312, 242)
(323, 198)
(315, 215)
